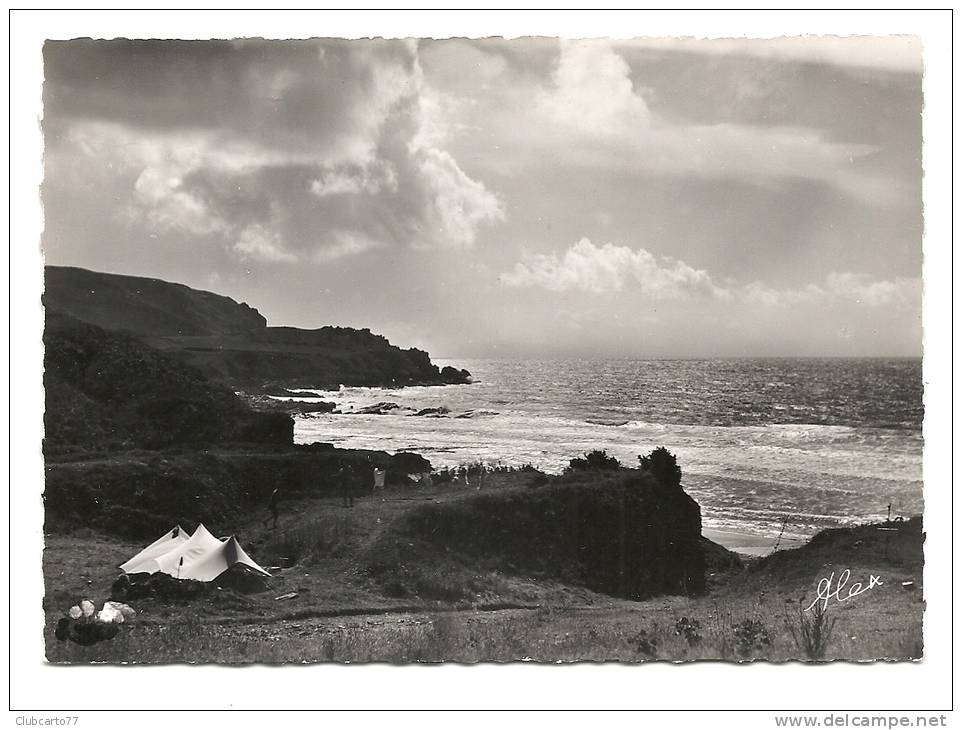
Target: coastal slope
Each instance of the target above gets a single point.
(108, 391)
(230, 342)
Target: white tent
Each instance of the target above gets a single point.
(143, 562)
(174, 561)
(215, 562)
(201, 557)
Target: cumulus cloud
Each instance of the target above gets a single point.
(354, 180)
(257, 243)
(609, 268)
(461, 204)
(591, 96)
(163, 202)
(596, 270)
(592, 90)
(354, 159)
(171, 170)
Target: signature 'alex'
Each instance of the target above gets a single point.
(828, 589)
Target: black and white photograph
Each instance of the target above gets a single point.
(438, 349)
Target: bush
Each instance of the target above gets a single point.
(689, 629)
(646, 643)
(597, 460)
(811, 630)
(663, 466)
(751, 636)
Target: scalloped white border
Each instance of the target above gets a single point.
(37, 686)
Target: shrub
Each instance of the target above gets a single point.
(811, 630)
(663, 466)
(597, 460)
(646, 643)
(689, 629)
(539, 480)
(751, 636)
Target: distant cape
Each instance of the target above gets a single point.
(230, 342)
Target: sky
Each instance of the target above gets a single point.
(534, 197)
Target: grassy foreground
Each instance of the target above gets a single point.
(342, 614)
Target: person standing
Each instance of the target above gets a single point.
(345, 477)
(273, 507)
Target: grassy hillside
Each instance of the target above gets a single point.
(621, 534)
(107, 390)
(495, 612)
(140, 494)
(146, 307)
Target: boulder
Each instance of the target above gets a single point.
(453, 376)
(439, 412)
(378, 409)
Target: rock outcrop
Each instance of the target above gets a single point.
(453, 376)
(381, 408)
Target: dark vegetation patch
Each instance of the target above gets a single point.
(106, 391)
(622, 534)
(139, 495)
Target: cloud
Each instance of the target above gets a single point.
(598, 270)
(160, 198)
(857, 288)
(354, 159)
(354, 180)
(175, 173)
(901, 53)
(346, 243)
(863, 289)
(609, 268)
(592, 90)
(593, 115)
(759, 293)
(257, 243)
(461, 204)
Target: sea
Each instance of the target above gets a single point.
(768, 447)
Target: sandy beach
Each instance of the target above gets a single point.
(749, 544)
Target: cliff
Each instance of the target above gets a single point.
(274, 358)
(230, 341)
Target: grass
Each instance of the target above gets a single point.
(343, 615)
(624, 634)
(674, 629)
(811, 630)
